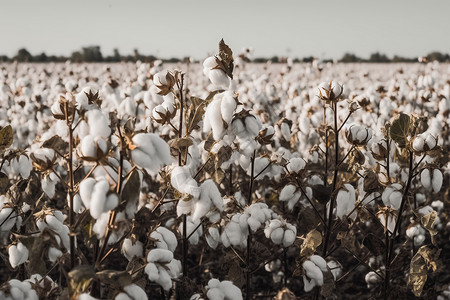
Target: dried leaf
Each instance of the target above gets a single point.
(428, 223)
(371, 183)
(56, 143)
(4, 181)
(6, 137)
(114, 278)
(328, 284)
(80, 279)
(236, 274)
(400, 129)
(422, 261)
(285, 294)
(312, 241)
(321, 193)
(196, 112)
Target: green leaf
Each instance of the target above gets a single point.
(400, 129)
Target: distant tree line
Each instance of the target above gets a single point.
(94, 54)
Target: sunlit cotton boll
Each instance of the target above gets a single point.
(218, 77)
(432, 179)
(345, 201)
(424, 142)
(162, 267)
(95, 196)
(218, 112)
(21, 165)
(98, 123)
(222, 290)
(392, 195)
(131, 250)
(151, 152)
(165, 239)
(314, 268)
(18, 254)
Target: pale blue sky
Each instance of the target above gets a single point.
(325, 28)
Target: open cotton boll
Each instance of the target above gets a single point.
(425, 178)
(98, 123)
(135, 292)
(392, 195)
(213, 119)
(21, 165)
(296, 164)
(48, 184)
(54, 254)
(227, 106)
(437, 180)
(218, 77)
(130, 249)
(98, 198)
(86, 188)
(151, 152)
(345, 201)
(213, 237)
(390, 223)
(18, 254)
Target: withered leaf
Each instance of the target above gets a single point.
(371, 183)
(400, 129)
(422, 261)
(328, 284)
(321, 193)
(195, 113)
(225, 62)
(236, 274)
(56, 143)
(80, 279)
(6, 137)
(113, 277)
(312, 241)
(4, 181)
(428, 221)
(285, 294)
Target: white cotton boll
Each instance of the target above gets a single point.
(288, 238)
(390, 222)
(277, 236)
(135, 292)
(88, 147)
(54, 254)
(7, 218)
(230, 290)
(313, 272)
(152, 271)
(320, 262)
(174, 268)
(219, 79)
(345, 201)
(253, 125)
(164, 279)
(169, 238)
(213, 237)
(86, 188)
(24, 166)
(285, 131)
(430, 141)
(151, 152)
(98, 123)
(425, 178)
(214, 119)
(215, 294)
(56, 109)
(395, 199)
(48, 184)
(227, 106)
(18, 254)
(296, 164)
(111, 202)
(98, 198)
(418, 143)
(159, 255)
(437, 180)
(122, 296)
(131, 250)
(392, 196)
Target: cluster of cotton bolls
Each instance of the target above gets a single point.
(28, 288)
(54, 221)
(219, 290)
(280, 232)
(162, 267)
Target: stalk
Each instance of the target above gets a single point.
(397, 229)
(336, 166)
(71, 186)
(249, 238)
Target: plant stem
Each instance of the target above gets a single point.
(397, 227)
(71, 186)
(336, 166)
(249, 237)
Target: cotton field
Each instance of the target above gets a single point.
(224, 180)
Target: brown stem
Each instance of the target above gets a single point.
(71, 186)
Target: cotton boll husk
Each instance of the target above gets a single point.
(437, 180)
(425, 178)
